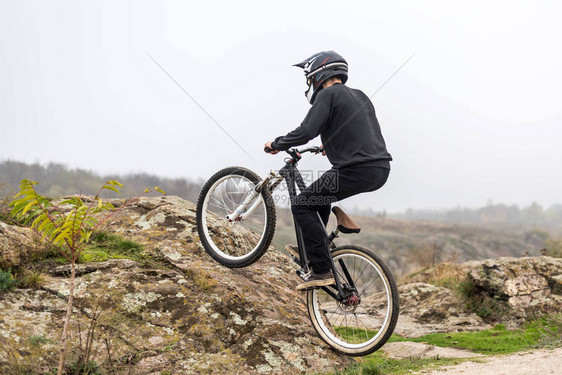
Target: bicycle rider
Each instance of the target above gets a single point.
(351, 136)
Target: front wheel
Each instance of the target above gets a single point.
(365, 320)
(239, 242)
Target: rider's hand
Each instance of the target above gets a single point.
(272, 152)
(323, 151)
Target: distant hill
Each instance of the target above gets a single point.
(56, 180)
(534, 214)
(408, 241)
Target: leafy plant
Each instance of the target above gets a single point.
(67, 226)
(7, 281)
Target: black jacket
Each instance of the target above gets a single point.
(346, 121)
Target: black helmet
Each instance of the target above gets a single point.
(318, 68)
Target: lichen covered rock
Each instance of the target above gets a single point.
(529, 285)
(182, 313)
(17, 244)
(426, 308)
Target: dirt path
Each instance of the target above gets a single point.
(528, 363)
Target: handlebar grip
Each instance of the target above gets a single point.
(268, 149)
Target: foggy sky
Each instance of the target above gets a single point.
(474, 116)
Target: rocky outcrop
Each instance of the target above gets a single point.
(17, 244)
(182, 312)
(529, 285)
(426, 308)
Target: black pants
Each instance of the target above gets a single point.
(332, 186)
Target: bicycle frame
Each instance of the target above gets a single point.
(294, 179)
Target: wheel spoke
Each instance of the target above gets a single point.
(237, 241)
(363, 322)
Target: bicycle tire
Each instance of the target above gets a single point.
(233, 244)
(367, 326)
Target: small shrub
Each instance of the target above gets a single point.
(483, 305)
(31, 279)
(7, 281)
(38, 340)
(90, 368)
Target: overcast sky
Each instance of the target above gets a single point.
(475, 115)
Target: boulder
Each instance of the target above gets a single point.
(16, 245)
(529, 285)
(426, 308)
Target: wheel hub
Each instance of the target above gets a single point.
(350, 303)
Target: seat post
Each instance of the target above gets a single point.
(333, 236)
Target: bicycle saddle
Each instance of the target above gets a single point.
(345, 223)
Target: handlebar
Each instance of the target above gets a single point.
(313, 149)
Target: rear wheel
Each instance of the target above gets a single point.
(364, 322)
(241, 242)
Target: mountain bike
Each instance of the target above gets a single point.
(236, 223)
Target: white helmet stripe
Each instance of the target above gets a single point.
(325, 67)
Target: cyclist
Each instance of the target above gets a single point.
(351, 136)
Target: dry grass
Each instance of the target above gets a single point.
(201, 278)
(447, 274)
(31, 279)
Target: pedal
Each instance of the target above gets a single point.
(292, 250)
(304, 273)
(293, 253)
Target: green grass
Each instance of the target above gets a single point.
(552, 335)
(378, 364)
(104, 246)
(497, 340)
(541, 332)
(38, 340)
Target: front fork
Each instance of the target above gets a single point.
(242, 211)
